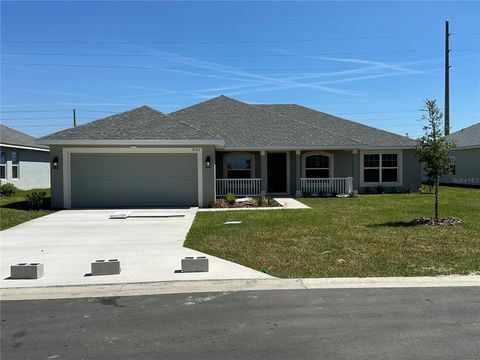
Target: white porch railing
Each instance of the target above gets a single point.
(238, 187)
(326, 186)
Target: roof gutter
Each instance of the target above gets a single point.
(318, 147)
(24, 147)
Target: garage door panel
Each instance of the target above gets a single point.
(134, 180)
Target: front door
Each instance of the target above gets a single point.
(277, 173)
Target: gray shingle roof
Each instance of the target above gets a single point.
(469, 136)
(239, 124)
(244, 125)
(143, 123)
(11, 136)
(363, 134)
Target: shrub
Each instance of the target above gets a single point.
(380, 189)
(231, 198)
(368, 190)
(261, 201)
(36, 199)
(7, 189)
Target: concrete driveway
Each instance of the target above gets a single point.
(149, 248)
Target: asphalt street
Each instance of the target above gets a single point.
(401, 323)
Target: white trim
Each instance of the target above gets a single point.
(4, 165)
(24, 147)
(331, 168)
(67, 173)
(17, 164)
(236, 153)
(399, 181)
(467, 147)
(131, 142)
(316, 147)
(287, 174)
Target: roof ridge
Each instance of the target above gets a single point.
(355, 122)
(103, 119)
(18, 131)
(315, 125)
(465, 128)
(196, 128)
(205, 102)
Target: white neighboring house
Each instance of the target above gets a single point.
(465, 168)
(23, 162)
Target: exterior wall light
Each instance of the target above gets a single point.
(55, 162)
(208, 162)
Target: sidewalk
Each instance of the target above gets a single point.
(210, 286)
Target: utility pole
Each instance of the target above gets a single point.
(74, 119)
(447, 80)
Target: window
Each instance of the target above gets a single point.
(452, 165)
(15, 165)
(239, 166)
(317, 166)
(3, 165)
(380, 168)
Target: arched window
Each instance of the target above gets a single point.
(239, 166)
(317, 165)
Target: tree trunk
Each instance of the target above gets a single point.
(436, 199)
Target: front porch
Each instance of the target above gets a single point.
(284, 173)
(308, 187)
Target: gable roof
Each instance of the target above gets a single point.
(143, 123)
(467, 137)
(12, 137)
(234, 124)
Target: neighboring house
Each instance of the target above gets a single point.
(465, 168)
(23, 162)
(145, 158)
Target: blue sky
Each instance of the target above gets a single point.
(372, 62)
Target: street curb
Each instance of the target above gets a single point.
(202, 286)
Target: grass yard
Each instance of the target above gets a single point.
(14, 209)
(365, 236)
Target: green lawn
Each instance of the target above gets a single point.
(365, 236)
(14, 209)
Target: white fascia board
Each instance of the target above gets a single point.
(24, 147)
(315, 147)
(466, 147)
(132, 142)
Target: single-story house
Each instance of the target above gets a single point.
(465, 167)
(23, 162)
(189, 157)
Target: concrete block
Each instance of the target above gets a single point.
(106, 267)
(190, 264)
(26, 271)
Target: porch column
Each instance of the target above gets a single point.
(263, 171)
(298, 174)
(355, 170)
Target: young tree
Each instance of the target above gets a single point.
(433, 148)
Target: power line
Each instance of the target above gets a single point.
(380, 112)
(83, 66)
(44, 110)
(36, 118)
(226, 55)
(223, 42)
(45, 125)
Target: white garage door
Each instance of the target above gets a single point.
(133, 180)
